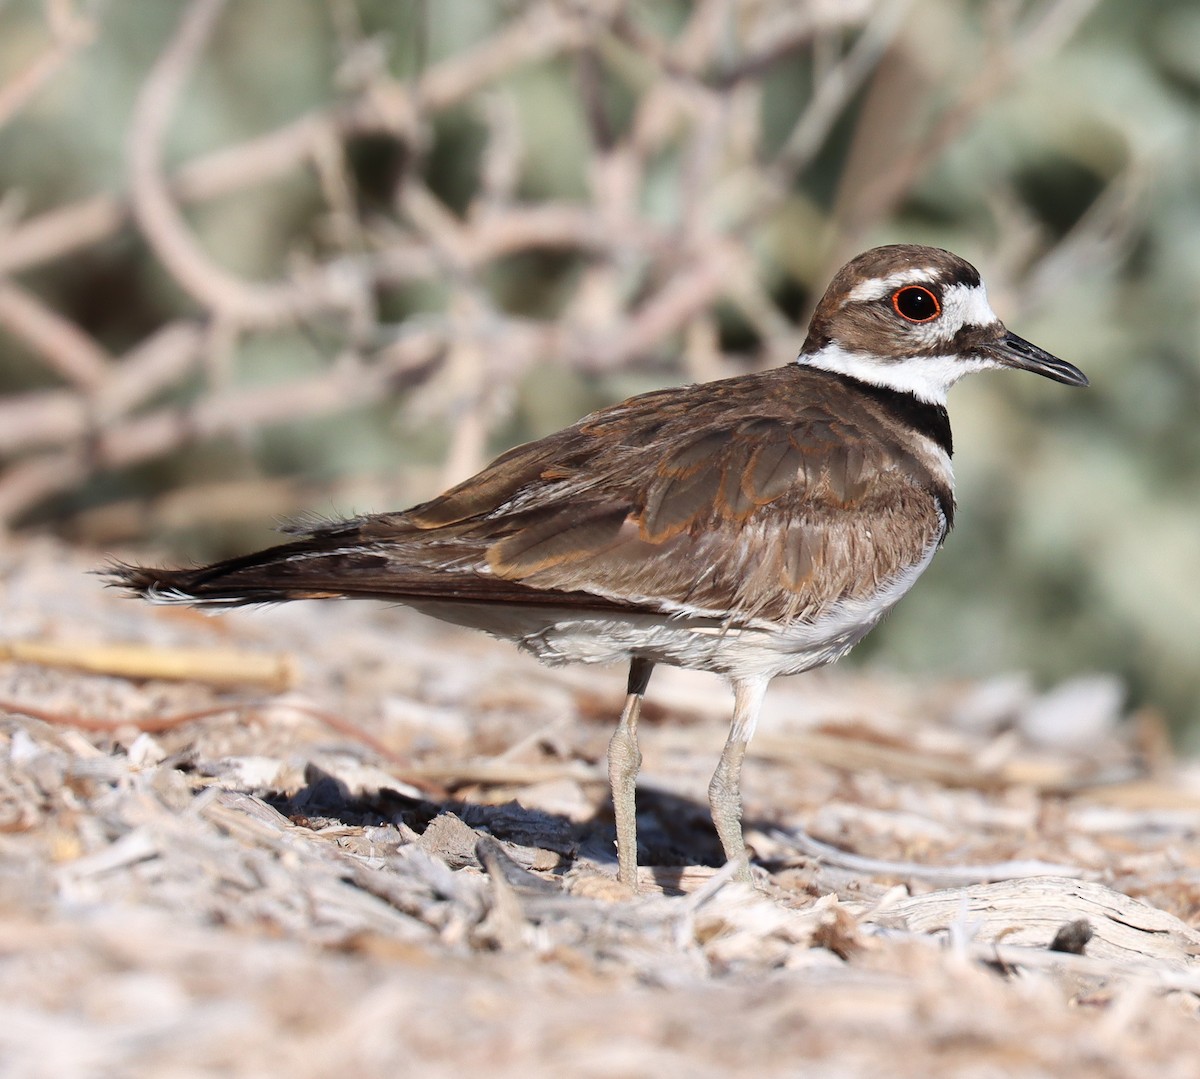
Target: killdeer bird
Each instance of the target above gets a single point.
(753, 526)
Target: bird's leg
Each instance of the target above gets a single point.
(725, 790)
(624, 760)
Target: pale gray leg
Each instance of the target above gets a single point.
(725, 790)
(624, 760)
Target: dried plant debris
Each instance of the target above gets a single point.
(256, 889)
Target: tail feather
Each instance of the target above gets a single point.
(300, 571)
(207, 586)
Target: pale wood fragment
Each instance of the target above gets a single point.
(214, 667)
(1029, 912)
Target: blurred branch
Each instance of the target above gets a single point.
(1013, 52)
(832, 93)
(384, 107)
(29, 482)
(133, 439)
(1100, 237)
(66, 349)
(161, 361)
(71, 33)
(229, 297)
(681, 187)
(257, 161)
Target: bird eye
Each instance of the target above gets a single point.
(916, 303)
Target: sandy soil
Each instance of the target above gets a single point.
(401, 863)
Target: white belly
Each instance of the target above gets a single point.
(563, 635)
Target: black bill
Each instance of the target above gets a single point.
(1013, 351)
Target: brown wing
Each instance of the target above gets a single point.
(770, 496)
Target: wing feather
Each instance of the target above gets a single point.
(773, 495)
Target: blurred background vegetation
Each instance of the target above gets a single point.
(276, 256)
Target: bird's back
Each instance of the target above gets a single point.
(769, 498)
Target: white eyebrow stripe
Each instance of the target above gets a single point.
(877, 287)
(967, 305)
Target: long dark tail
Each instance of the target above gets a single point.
(359, 558)
(301, 570)
(335, 564)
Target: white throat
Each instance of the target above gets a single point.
(927, 378)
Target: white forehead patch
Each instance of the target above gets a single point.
(966, 305)
(876, 288)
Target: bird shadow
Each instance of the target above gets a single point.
(673, 831)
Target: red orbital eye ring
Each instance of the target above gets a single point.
(916, 303)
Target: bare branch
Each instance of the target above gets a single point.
(66, 349)
(671, 224)
(239, 301)
(71, 34)
(1057, 20)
